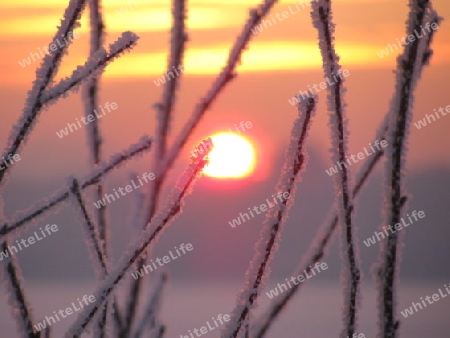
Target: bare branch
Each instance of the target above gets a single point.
(44, 76)
(14, 284)
(60, 196)
(351, 272)
(92, 68)
(139, 248)
(275, 218)
(409, 67)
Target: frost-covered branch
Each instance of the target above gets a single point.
(161, 331)
(101, 265)
(13, 282)
(351, 272)
(44, 75)
(409, 66)
(164, 114)
(91, 89)
(61, 195)
(90, 94)
(227, 74)
(138, 249)
(46, 333)
(164, 109)
(137, 221)
(153, 308)
(318, 248)
(96, 250)
(275, 218)
(137, 218)
(92, 68)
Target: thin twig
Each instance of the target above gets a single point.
(93, 237)
(44, 75)
(319, 247)
(322, 20)
(316, 252)
(94, 138)
(137, 218)
(93, 178)
(101, 265)
(91, 97)
(409, 66)
(46, 333)
(139, 248)
(92, 68)
(164, 113)
(164, 109)
(151, 311)
(161, 331)
(20, 306)
(225, 76)
(271, 232)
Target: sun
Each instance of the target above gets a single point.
(232, 156)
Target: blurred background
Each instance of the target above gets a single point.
(280, 61)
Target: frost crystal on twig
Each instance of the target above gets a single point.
(138, 249)
(13, 282)
(62, 194)
(44, 75)
(226, 75)
(351, 272)
(152, 309)
(275, 218)
(409, 68)
(92, 68)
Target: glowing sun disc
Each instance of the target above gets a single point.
(232, 156)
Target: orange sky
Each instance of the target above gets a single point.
(364, 28)
(280, 61)
(284, 57)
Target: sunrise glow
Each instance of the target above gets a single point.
(232, 156)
